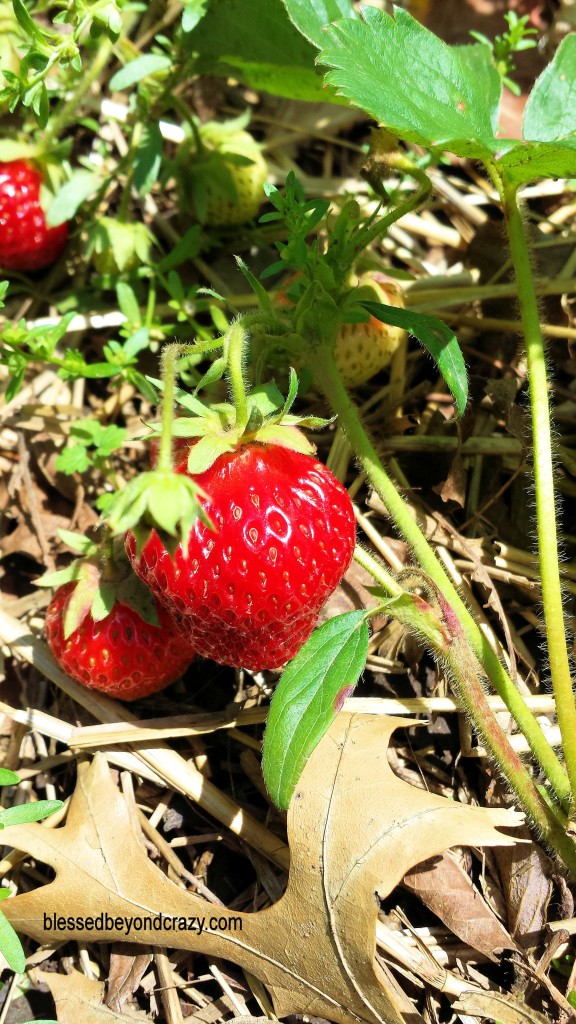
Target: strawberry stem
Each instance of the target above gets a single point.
(322, 362)
(168, 359)
(384, 578)
(235, 348)
(552, 597)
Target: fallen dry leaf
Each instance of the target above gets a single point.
(78, 998)
(448, 891)
(498, 1006)
(526, 876)
(354, 830)
(124, 976)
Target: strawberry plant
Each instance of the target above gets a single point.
(236, 436)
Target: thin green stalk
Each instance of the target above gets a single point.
(466, 680)
(170, 354)
(235, 352)
(463, 668)
(67, 113)
(544, 484)
(329, 379)
(377, 571)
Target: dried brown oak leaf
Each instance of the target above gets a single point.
(79, 998)
(354, 830)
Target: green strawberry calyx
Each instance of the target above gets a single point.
(116, 245)
(103, 576)
(219, 430)
(159, 500)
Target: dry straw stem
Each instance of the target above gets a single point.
(176, 772)
(423, 299)
(94, 737)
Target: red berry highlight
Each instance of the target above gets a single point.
(121, 655)
(26, 242)
(248, 592)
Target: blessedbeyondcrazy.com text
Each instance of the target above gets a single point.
(157, 923)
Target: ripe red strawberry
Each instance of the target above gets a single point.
(248, 592)
(122, 655)
(26, 242)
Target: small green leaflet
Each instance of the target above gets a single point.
(147, 158)
(549, 126)
(550, 113)
(24, 813)
(533, 160)
(437, 338)
(311, 16)
(187, 248)
(11, 947)
(70, 197)
(255, 41)
(136, 70)
(413, 83)
(194, 11)
(308, 697)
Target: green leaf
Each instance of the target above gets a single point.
(78, 542)
(205, 452)
(437, 338)
(28, 24)
(136, 342)
(11, 947)
(308, 697)
(136, 70)
(533, 160)
(73, 459)
(95, 371)
(60, 576)
(194, 11)
(187, 248)
(311, 16)
(550, 112)
(255, 41)
(70, 197)
(8, 778)
(128, 303)
(164, 501)
(147, 158)
(420, 88)
(111, 438)
(103, 601)
(15, 149)
(29, 812)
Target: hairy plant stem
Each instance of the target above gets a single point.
(322, 362)
(377, 571)
(235, 351)
(168, 359)
(464, 672)
(543, 481)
